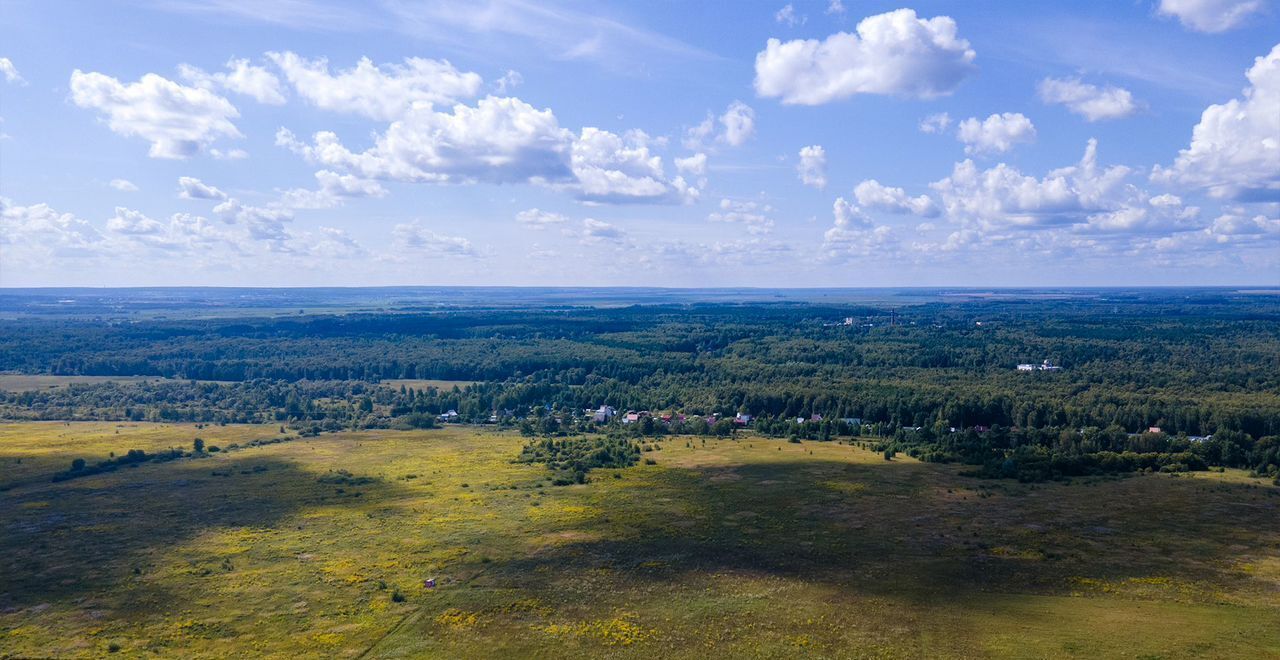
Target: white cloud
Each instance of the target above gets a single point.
(835, 7)
(847, 214)
(38, 232)
(996, 134)
(230, 154)
(193, 188)
(508, 82)
(385, 93)
(1211, 15)
(333, 190)
(935, 123)
(241, 78)
(1235, 149)
(696, 137)
(695, 165)
(611, 169)
(1089, 101)
(10, 72)
(753, 215)
(178, 121)
(128, 221)
(262, 224)
(1003, 198)
(739, 122)
(873, 195)
(812, 167)
(737, 125)
(500, 140)
(123, 185)
(504, 140)
(417, 240)
(895, 53)
(539, 219)
(854, 234)
(596, 231)
(788, 16)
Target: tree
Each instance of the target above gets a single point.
(198, 445)
(77, 465)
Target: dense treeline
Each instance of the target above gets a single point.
(1193, 365)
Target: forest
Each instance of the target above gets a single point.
(1147, 380)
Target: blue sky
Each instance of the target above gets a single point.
(298, 142)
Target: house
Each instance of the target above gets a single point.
(742, 419)
(604, 414)
(1043, 366)
(451, 416)
(979, 428)
(1154, 429)
(815, 417)
(852, 421)
(1026, 367)
(633, 417)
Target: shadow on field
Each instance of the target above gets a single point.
(104, 534)
(906, 530)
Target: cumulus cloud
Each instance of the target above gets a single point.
(1083, 198)
(739, 122)
(812, 167)
(695, 165)
(500, 140)
(609, 168)
(896, 53)
(737, 125)
(39, 232)
(854, 234)
(384, 93)
(995, 134)
(193, 188)
(508, 82)
(788, 16)
(1211, 15)
(241, 77)
(1089, 101)
(419, 241)
(123, 185)
(333, 190)
(847, 214)
(935, 123)
(873, 195)
(752, 215)
(504, 140)
(229, 154)
(178, 121)
(1235, 148)
(539, 219)
(262, 224)
(10, 72)
(597, 231)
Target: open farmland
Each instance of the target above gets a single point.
(751, 547)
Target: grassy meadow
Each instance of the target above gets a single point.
(319, 547)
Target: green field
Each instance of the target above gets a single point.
(27, 383)
(318, 547)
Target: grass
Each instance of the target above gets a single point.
(35, 382)
(753, 548)
(28, 383)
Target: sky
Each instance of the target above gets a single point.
(659, 143)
